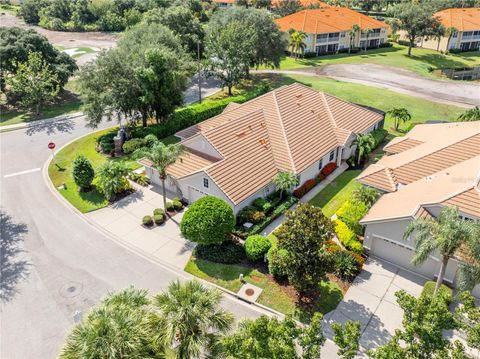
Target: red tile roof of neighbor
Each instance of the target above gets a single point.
(463, 19)
(287, 129)
(304, 3)
(332, 19)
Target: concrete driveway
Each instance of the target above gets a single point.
(371, 300)
(123, 219)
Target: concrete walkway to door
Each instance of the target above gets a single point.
(124, 220)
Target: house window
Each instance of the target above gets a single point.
(320, 164)
(332, 155)
(205, 182)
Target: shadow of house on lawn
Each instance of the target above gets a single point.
(14, 267)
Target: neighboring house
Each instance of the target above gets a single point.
(433, 166)
(466, 37)
(229, 3)
(328, 29)
(237, 154)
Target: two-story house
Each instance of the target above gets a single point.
(329, 29)
(465, 23)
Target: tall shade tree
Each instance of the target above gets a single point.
(121, 327)
(399, 115)
(271, 338)
(230, 49)
(472, 114)
(286, 7)
(445, 234)
(269, 44)
(297, 43)
(303, 234)
(285, 181)
(144, 76)
(195, 321)
(161, 156)
(365, 144)
(34, 83)
(415, 18)
(111, 179)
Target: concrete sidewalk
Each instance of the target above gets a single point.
(19, 126)
(124, 220)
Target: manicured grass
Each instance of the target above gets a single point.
(273, 296)
(49, 111)
(420, 109)
(422, 61)
(331, 198)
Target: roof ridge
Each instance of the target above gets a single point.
(283, 131)
(329, 111)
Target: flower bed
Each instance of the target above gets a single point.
(309, 184)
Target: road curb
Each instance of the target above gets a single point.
(24, 125)
(171, 268)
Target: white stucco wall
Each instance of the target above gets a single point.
(200, 143)
(313, 170)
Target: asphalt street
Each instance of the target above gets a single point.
(53, 263)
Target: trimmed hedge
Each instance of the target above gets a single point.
(443, 291)
(158, 219)
(133, 144)
(263, 205)
(250, 214)
(159, 212)
(351, 212)
(256, 246)
(379, 135)
(329, 168)
(309, 184)
(208, 220)
(228, 252)
(347, 237)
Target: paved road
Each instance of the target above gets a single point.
(460, 93)
(53, 263)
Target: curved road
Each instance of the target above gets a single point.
(459, 93)
(53, 262)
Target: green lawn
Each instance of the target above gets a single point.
(226, 276)
(331, 198)
(420, 109)
(422, 61)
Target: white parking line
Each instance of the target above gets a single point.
(22, 172)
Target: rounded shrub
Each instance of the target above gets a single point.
(256, 246)
(82, 172)
(207, 221)
(345, 265)
(170, 207)
(159, 212)
(177, 205)
(277, 262)
(158, 219)
(133, 144)
(147, 221)
(228, 252)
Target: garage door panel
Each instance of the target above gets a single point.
(402, 256)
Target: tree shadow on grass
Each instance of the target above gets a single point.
(14, 268)
(226, 272)
(438, 61)
(327, 299)
(93, 196)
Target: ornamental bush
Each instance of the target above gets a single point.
(347, 237)
(147, 221)
(329, 168)
(256, 247)
(263, 205)
(277, 262)
(228, 252)
(170, 207)
(82, 172)
(159, 212)
(250, 214)
(177, 205)
(159, 219)
(345, 265)
(208, 220)
(133, 144)
(351, 213)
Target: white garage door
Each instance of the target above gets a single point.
(194, 194)
(402, 256)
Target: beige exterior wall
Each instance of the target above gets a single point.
(444, 44)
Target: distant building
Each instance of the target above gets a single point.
(230, 3)
(328, 29)
(466, 21)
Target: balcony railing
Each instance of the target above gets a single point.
(324, 40)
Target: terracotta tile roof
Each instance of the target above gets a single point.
(448, 145)
(463, 19)
(382, 179)
(400, 145)
(230, 106)
(304, 3)
(456, 186)
(298, 126)
(225, 1)
(332, 19)
(423, 213)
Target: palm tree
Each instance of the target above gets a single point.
(449, 32)
(121, 327)
(194, 320)
(446, 234)
(111, 178)
(472, 114)
(399, 114)
(161, 156)
(365, 144)
(352, 34)
(297, 43)
(367, 33)
(285, 181)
